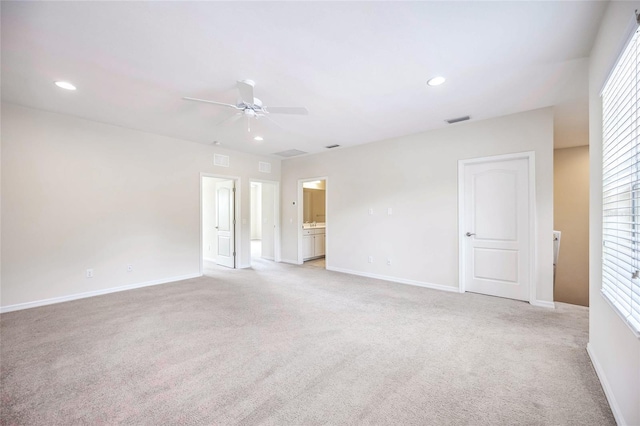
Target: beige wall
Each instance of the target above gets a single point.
(416, 176)
(614, 349)
(78, 194)
(571, 217)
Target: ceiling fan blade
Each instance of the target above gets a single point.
(287, 110)
(245, 87)
(211, 102)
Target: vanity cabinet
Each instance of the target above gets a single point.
(313, 243)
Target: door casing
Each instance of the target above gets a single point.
(532, 228)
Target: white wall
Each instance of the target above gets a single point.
(614, 349)
(78, 194)
(417, 177)
(269, 220)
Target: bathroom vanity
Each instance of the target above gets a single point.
(313, 240)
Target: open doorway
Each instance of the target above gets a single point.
(264, 218)
(312, 218)
(218, 223)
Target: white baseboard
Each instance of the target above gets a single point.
(293, 262)
(396, 279)
(543, 304)
(44, 302)
(617, 414)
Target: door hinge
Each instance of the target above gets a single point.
(234, 254)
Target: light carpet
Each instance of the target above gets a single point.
(288, 345)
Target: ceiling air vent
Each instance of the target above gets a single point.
(332, 146)
(264, 167)
(457, 120)
(220, 160)
(290, 153)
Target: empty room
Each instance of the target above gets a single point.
(296, 213)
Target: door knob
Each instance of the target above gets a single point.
(468, 234)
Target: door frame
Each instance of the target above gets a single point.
(276, 213)
(237, 243)
(301, 217)
(533, 222)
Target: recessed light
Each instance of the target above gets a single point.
(258, 138)
(65, 85)
(436, 81)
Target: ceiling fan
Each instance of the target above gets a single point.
(251, 107)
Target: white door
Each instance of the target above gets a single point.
(225, 203)
(496, 228)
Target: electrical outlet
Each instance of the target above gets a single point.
(389, 211)
(89, 273)
(370, 212)
(370, 259)
(129, 268)
(389, 262)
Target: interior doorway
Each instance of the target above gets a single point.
(312, 222)
(218, 221)
(264, 220)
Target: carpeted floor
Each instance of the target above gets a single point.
(283, 344)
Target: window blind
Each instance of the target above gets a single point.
(621, 186)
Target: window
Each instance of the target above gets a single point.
(621, 186)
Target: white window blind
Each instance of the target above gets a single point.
(621, 186)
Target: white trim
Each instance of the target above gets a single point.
(530, 156)
(615, 408)
(543, 304)
(300, 260)
(290, 261)
(236, 211)
(396, 280)
(77, 296)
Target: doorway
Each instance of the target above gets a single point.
(264, 220)
(313, 222)
(496, 218)
(218, 221)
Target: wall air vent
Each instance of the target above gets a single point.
(264, 167)
(290, 153)
(457, 120)
(220, 160)
(332, 146)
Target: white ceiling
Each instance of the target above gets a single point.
(359, 67)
